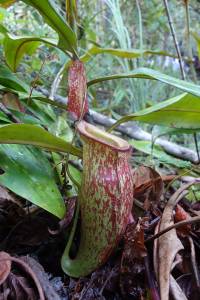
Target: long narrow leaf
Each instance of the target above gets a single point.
(33, 135)
(133, 53)
(10, 81)
(147, 73)
(182, 112)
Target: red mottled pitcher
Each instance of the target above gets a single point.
(105, 197)
(77, 94)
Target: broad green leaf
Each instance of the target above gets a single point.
(61, 129)
(28, 173)
(147, 73)
(72, 13)
(43, 112)
(158, 152)
(26, 118)
(75, 173)
(47, 8)
(33, 135)
(133, 53)
(9, 80)
(16, 47)
(3, 29)
(182, 111)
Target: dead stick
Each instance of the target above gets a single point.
(174, 226)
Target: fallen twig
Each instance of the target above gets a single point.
(177, 225)
(133, 131)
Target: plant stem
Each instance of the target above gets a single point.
(191, 64)
(188, 41)
(175, 39)
(179, 53)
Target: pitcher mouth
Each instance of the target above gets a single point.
(102, 137)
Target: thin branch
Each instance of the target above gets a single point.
(179, 52)
(175, 39)
(177, 225)
(132, 131)
(194, 262)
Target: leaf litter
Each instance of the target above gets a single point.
(142, 267)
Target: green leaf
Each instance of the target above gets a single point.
(67, 38)
(133, 53)
(4, 118)
(33, 135)
(9, 80)
(147, 73)
(158, 152)
(3, 29)
(182, 111)
(76, 174)
(16, 47)
(28, 173)
(26, 118)
(43, 112)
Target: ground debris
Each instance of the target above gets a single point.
(129, 272)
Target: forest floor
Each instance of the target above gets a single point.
(32, 242)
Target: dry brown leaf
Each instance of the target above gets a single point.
(148, 185)
(37, 268)
(155, 251)
(18, 285)
(181, 215)
(11, 101)
(168, 243)
(5, 266)
(132, 261)
(20, 288)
